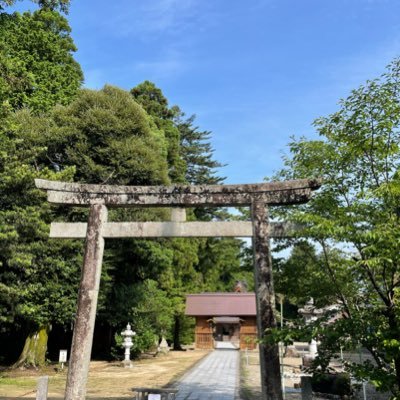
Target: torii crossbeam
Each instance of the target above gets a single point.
(99, 197)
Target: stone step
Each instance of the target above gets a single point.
(225, 345)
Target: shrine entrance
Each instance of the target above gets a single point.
(226, 329)
(99, 197)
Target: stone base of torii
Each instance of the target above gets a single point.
(99, 197)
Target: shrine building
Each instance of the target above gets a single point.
(223, 320)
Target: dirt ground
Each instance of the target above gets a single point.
(113, 382)
(250, 376)
(250, 382)
(106, 380)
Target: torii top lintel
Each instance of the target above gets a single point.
(273, 193)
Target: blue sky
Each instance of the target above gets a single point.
(254, 73)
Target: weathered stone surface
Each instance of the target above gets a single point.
(176, 189)
(98, 196)
(163, 347)
(291, 351)
(306, 388)
(87, 304)
(265, 301)
(178, 214)
(42, 388)
(62, 230)
(274, 193)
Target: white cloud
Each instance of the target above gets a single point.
(154, 17)
(160, 69)
(166, 24)
(163, 15)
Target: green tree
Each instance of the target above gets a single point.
(129, 266)
(156, 105)
(196, 264)
(109, 138)
(152, 314)
(306, 274)
(357, 210)
(153, 308)
(102, 136)
(61, 5)
(220, 259)
(197, 152)
(37, 68)
(179, 279)
(221, 265)
(38, 284)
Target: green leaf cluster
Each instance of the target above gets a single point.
(50, 128)
(355, 215)
(38, 276)
(37, 68)
(53, 5)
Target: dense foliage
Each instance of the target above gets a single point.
(38, 277)
(52, 129)
(60, 5)
(37, 68)
(356, 212)
(153, 101)
(109, 139)
(197, 264)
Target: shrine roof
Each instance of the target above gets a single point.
(221, 304)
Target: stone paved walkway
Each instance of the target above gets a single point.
(215, 377)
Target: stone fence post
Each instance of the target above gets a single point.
(42, 388)
(306, 389)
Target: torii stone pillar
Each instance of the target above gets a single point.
(82, 338)
(265, 299)
(98, 197)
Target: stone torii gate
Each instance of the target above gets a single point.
(99, 197)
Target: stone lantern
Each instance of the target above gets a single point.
(127, 344)
(311, 314)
